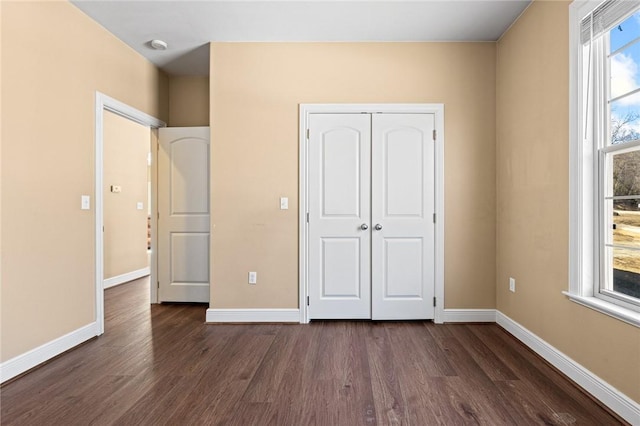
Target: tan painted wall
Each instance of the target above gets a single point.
(48, 161)
(532, 200)
(188, 101)
(126, 147)
(1, 133)
(255, 92)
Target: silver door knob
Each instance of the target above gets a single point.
(364, 226)
(378, 227)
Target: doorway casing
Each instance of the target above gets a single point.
(106, 103)
(305, 111)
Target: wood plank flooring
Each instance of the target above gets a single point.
(161, 365)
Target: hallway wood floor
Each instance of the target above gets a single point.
(161, 364)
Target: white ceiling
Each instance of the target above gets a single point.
(187, 26)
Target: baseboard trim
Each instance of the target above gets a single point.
(469, 315)
(25, 362)
(253, 315)
(621, 404)
(125, 278)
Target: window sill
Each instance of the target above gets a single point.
(615, 311)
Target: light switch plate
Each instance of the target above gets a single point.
(85, 202)
(284, 203)
(139, 205)
(253, 277)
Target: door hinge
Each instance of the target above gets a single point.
(434, 218)
(434, 302)
(158, 215)
(307, 217)
(307, 134)
(158, 284)
(434, 135)
(307, 300)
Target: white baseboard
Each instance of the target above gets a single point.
(125, 278)
(18, 365)
(253, 315)
(621, 404)
(469, 315)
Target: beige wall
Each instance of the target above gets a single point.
(1, 133)
(126, 147)
(54, 58)
(188, 101)
(532, 201)
(255, 92)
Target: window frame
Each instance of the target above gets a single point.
(586, 182)
(604, 224)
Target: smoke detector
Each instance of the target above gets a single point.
(159, 45)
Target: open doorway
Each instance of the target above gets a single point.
(107, 107)
(126, 184)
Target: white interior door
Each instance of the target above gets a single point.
(371, 206)
(339, 214)
(403, 207)
(183, 222)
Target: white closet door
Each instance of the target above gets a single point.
(183, 207)
(339, 213)
(403, 179)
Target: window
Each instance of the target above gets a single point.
(605, 157)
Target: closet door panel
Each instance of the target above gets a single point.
(339, 205)
(402, 240)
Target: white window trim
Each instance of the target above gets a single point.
(608, 295)
(582, 226)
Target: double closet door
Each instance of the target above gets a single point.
(371, 207)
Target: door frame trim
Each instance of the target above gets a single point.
(304, 112)
(106, 103)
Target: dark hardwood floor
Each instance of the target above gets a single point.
(161, 364)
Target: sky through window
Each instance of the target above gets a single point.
(625, 78)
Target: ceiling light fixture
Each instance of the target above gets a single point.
(159, 44)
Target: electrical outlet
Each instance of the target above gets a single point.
(253, 277)
(512, 284)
